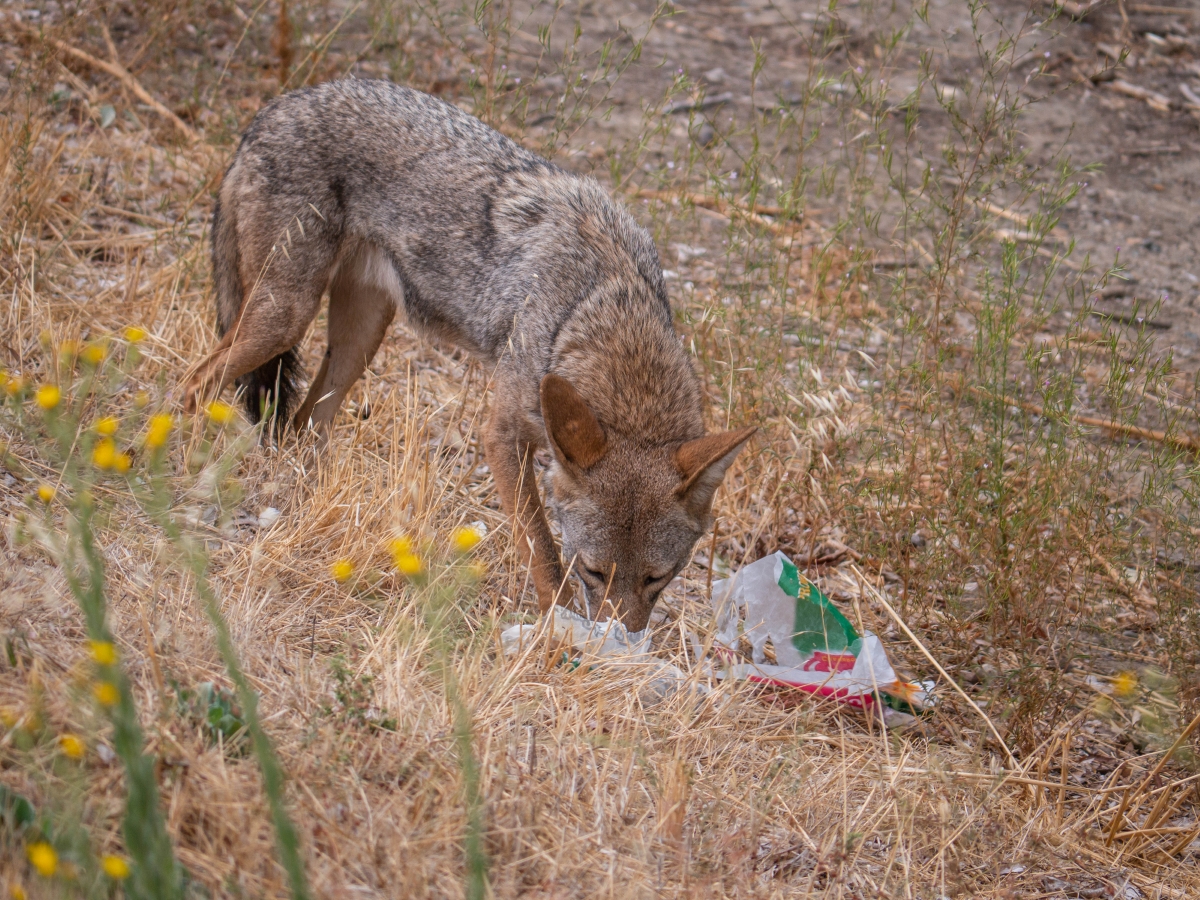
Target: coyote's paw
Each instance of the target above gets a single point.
(193, 396)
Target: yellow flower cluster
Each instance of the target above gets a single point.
(342, 570)
(115, 867)
(220, 413)
(135, 335)
(107, 426)
(48, 396)
(72, 746)
(106, 456)
(103, 653)
(46, 492)
(404, 557)
(43, 858)
(159, 430)
(1125, 684)
(93, 354)
(106, 693)
(465, 538)
(12, 384)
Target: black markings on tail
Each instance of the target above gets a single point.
(270, 391)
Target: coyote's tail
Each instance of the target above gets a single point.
(271, 389)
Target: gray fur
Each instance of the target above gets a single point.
(392, 199)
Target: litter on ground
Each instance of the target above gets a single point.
(816, 648)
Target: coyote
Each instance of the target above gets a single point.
(390, 199)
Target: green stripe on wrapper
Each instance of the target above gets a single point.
(819, 624)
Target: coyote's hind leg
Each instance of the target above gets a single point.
(263, 331)
(363, 299)
(284, 293)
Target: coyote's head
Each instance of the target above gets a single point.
(629, 514)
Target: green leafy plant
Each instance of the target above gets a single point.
(74, 410)
(216, 711)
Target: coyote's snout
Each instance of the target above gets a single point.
(393, 200)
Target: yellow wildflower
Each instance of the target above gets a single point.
(94, 354)
(141, 399)
(13, 384)
(72, 746)
(465, 539)
(122, 462)
(342, 570)
(1125, 684)
(106, 693)
(409, 564)
(104, 454)
(48, 396)
(160, 430)
(103, 653)
(46, 492)
(43, 858)
(220, 413)
(9, 717)
(107, 426)
(134, 334)
(115, 867)
(16, 892)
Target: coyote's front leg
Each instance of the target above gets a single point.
(510, 455)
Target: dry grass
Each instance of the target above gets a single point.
(591, 785)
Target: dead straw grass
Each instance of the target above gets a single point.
(592, 786)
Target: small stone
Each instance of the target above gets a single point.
(268, 517)
(705, 135)
(894, 720)
(917, 539)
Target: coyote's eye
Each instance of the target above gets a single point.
(595, 576)
(651, 580)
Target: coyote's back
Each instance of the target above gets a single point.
(464, 219)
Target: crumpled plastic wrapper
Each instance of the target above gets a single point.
(606, 644)
(816, 648)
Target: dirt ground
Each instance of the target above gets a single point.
(1142, 200)
(1141, 206)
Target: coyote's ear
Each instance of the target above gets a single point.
(703, 462)
(575, 435)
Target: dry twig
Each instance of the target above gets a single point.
(1158, 101)
(1178, 441)
(123, 75)
(752, 212)
(1114, 830)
